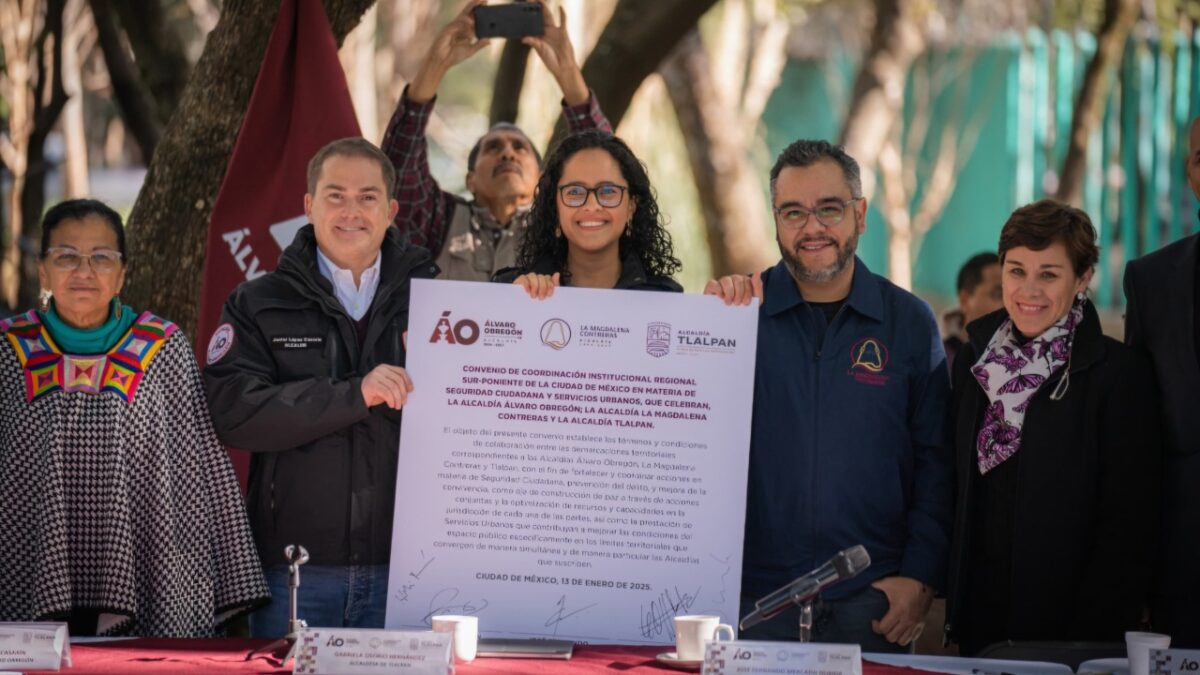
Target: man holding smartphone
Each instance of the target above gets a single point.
(473, 239)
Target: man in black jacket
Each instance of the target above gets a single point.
(1162, 317)
(306, 372)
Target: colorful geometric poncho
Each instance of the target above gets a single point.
(115, 494)
(47, 369)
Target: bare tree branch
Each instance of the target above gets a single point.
(768, 57)
(134, 99)
(1119, 16)
(731, 197)
(730, 40)
(49, 101)
(878, 94)
(510, 78)
(635, 41)
(900, 160)
(158, 50)
(19, 24)
(79, 41)
(8, 151)
(357, 56)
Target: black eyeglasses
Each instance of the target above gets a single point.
(829, 214)
(607, 195)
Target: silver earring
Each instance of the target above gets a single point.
(44, 300)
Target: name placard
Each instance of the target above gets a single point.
(325, 651)
(781, 658)
(34, 646)
(1174, 661)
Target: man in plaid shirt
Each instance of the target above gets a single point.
(474, 239)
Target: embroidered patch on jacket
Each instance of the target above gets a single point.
(868, 358)
(461, 243)
(220, 343)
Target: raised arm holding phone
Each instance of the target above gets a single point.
(472, 239)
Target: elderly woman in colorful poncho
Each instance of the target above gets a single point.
(1057, 439)
(119, 510)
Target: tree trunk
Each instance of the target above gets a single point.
(1119, 16)
(635, 41)
(731, 198)
(878, 96)
(158, 51)
(910, 213)
(510, 77)
(79, 44)
(410, 27)
(48, 105)
(18, 28)
(358, 60)
(169, 223)
(137, 106)
(894, 206)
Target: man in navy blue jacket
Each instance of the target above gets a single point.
(848, 443)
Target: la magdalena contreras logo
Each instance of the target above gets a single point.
(556, 333)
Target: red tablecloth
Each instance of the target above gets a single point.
(228, 656)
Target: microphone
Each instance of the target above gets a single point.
(840, 567)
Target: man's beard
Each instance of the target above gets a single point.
(801, 272)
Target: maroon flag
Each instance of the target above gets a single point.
(300, 103)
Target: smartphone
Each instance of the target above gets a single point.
(514, 20)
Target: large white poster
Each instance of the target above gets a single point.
(573, 467)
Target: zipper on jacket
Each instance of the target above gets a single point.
(828, 327)
(816, 437)
(271, 498)
(820, 348)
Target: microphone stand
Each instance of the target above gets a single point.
(285, 647)
(806, 621)
(804, 591)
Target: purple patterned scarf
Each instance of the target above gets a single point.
(1010, 374)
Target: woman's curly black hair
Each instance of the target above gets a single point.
(646, 236)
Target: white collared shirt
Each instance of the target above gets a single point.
(356, 300)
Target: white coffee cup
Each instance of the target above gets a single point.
(1138, 646)
(692, 631)
(464, 635)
